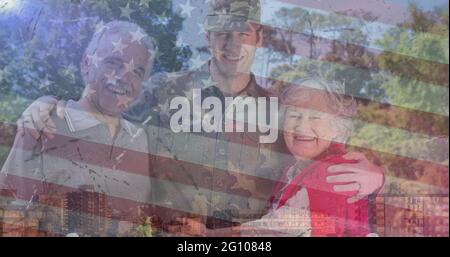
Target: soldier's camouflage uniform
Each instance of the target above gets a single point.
(209, 174)
(204, 168)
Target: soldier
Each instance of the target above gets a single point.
(220, 178)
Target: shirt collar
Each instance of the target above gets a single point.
(78, 120)
(251, 89)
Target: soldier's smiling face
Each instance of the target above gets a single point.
(233, 52)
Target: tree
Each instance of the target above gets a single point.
(41, 51)
(405, 82)
(41, 46)
(400, 75)
(334, 59)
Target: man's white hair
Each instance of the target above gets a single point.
(120, 27)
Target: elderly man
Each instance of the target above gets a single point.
(96, 160)
(218, 178)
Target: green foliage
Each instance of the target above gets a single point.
(410, 87)
(10, 105)
(347, 63)
(42, 47)
(408, 73)
(145, 227)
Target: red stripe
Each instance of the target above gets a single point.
(126, 205)
(413, 220)
(176, 170)
(81, 152)
(9, 229)
(385, 114)
(386, 12)
(129, 208)
(299, 44)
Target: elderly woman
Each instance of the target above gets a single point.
(316, 123)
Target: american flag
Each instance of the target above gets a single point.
(391, 56)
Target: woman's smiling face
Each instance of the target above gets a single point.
(308, 124)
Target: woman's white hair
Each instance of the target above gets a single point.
(344, 107)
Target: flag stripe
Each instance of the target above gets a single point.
(372, 29)
(131, 208)
(193, 165)
(385, 11)
(425, 123)
(413, 90)
(427, 71)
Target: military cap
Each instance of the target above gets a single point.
(232, 15)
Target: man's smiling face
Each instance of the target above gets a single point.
(115, 72)
(233, 52)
